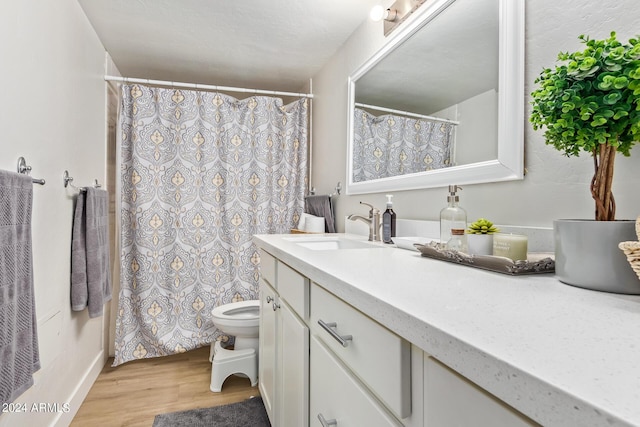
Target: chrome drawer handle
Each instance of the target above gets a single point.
(342, 339)
(269, 299)
(275, 306)
(326, 423)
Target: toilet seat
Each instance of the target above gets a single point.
(245, 312)
(240, 320)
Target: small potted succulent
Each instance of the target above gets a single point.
(590, 102)
(480, 237)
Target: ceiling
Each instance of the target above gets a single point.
(272, 45)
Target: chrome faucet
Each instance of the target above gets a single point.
(373, 222)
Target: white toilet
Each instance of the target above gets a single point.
(238, 319)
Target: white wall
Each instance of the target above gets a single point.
(554, 187)
(475, 140)
(53, 113)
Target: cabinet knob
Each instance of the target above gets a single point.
(269, 299)
(327, 423)
(276, 306)
(342, 339)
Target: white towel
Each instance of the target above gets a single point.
(314, 224)
(321, 206)
(90, 264)
(19, 357)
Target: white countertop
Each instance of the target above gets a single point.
(562, 355)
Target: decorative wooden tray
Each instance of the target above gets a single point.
(536, 262)
(296, 231)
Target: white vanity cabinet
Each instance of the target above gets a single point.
(283, 375)
(324, 363)
(484, 349)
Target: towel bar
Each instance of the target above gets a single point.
(67, 180)
(336, 191)
(26, 170)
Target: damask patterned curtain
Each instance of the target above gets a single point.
(392, 145)
(200, 174)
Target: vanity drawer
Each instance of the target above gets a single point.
(336, 395)
(380, 358)
(446, 392)
(293, 287)
(268, 267)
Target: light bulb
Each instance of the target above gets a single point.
(377, 13)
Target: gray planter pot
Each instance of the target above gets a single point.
(587, 255)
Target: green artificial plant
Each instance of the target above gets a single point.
(591, 102)
(482, 226)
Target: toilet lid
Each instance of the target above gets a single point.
(238, 310)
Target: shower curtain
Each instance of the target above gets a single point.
(391, 145)
(200, 174)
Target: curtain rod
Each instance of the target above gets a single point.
(199, 86)
(406, 113)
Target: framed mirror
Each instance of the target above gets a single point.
(442, 102)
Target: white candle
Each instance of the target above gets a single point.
(512, 246)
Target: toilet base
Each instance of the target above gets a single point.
(229, 362)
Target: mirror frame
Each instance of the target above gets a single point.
(510, 162)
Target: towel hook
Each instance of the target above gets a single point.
(25, 169)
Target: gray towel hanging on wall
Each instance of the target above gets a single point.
(90, 264)
(19, 356)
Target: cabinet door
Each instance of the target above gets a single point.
(336, 394)
(452, 400)
(293, 369)
(267, 348)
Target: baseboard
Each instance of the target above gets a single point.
(80, 392)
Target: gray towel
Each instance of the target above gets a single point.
(321, 206)
(90, 266)
(19, 357)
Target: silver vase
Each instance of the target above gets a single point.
(587, 255)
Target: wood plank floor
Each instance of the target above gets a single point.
(134, 393)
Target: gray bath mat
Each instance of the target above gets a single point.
(250, 413)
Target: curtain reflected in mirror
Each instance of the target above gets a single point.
(390, 145)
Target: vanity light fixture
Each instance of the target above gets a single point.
(395, 14)
(378, 13)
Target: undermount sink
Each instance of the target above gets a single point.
(326, 243)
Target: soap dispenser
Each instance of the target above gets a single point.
(453, 223)
(388, 222)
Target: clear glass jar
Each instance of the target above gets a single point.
(458, 241)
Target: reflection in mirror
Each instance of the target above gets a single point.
(394, 144)
(442, 103)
